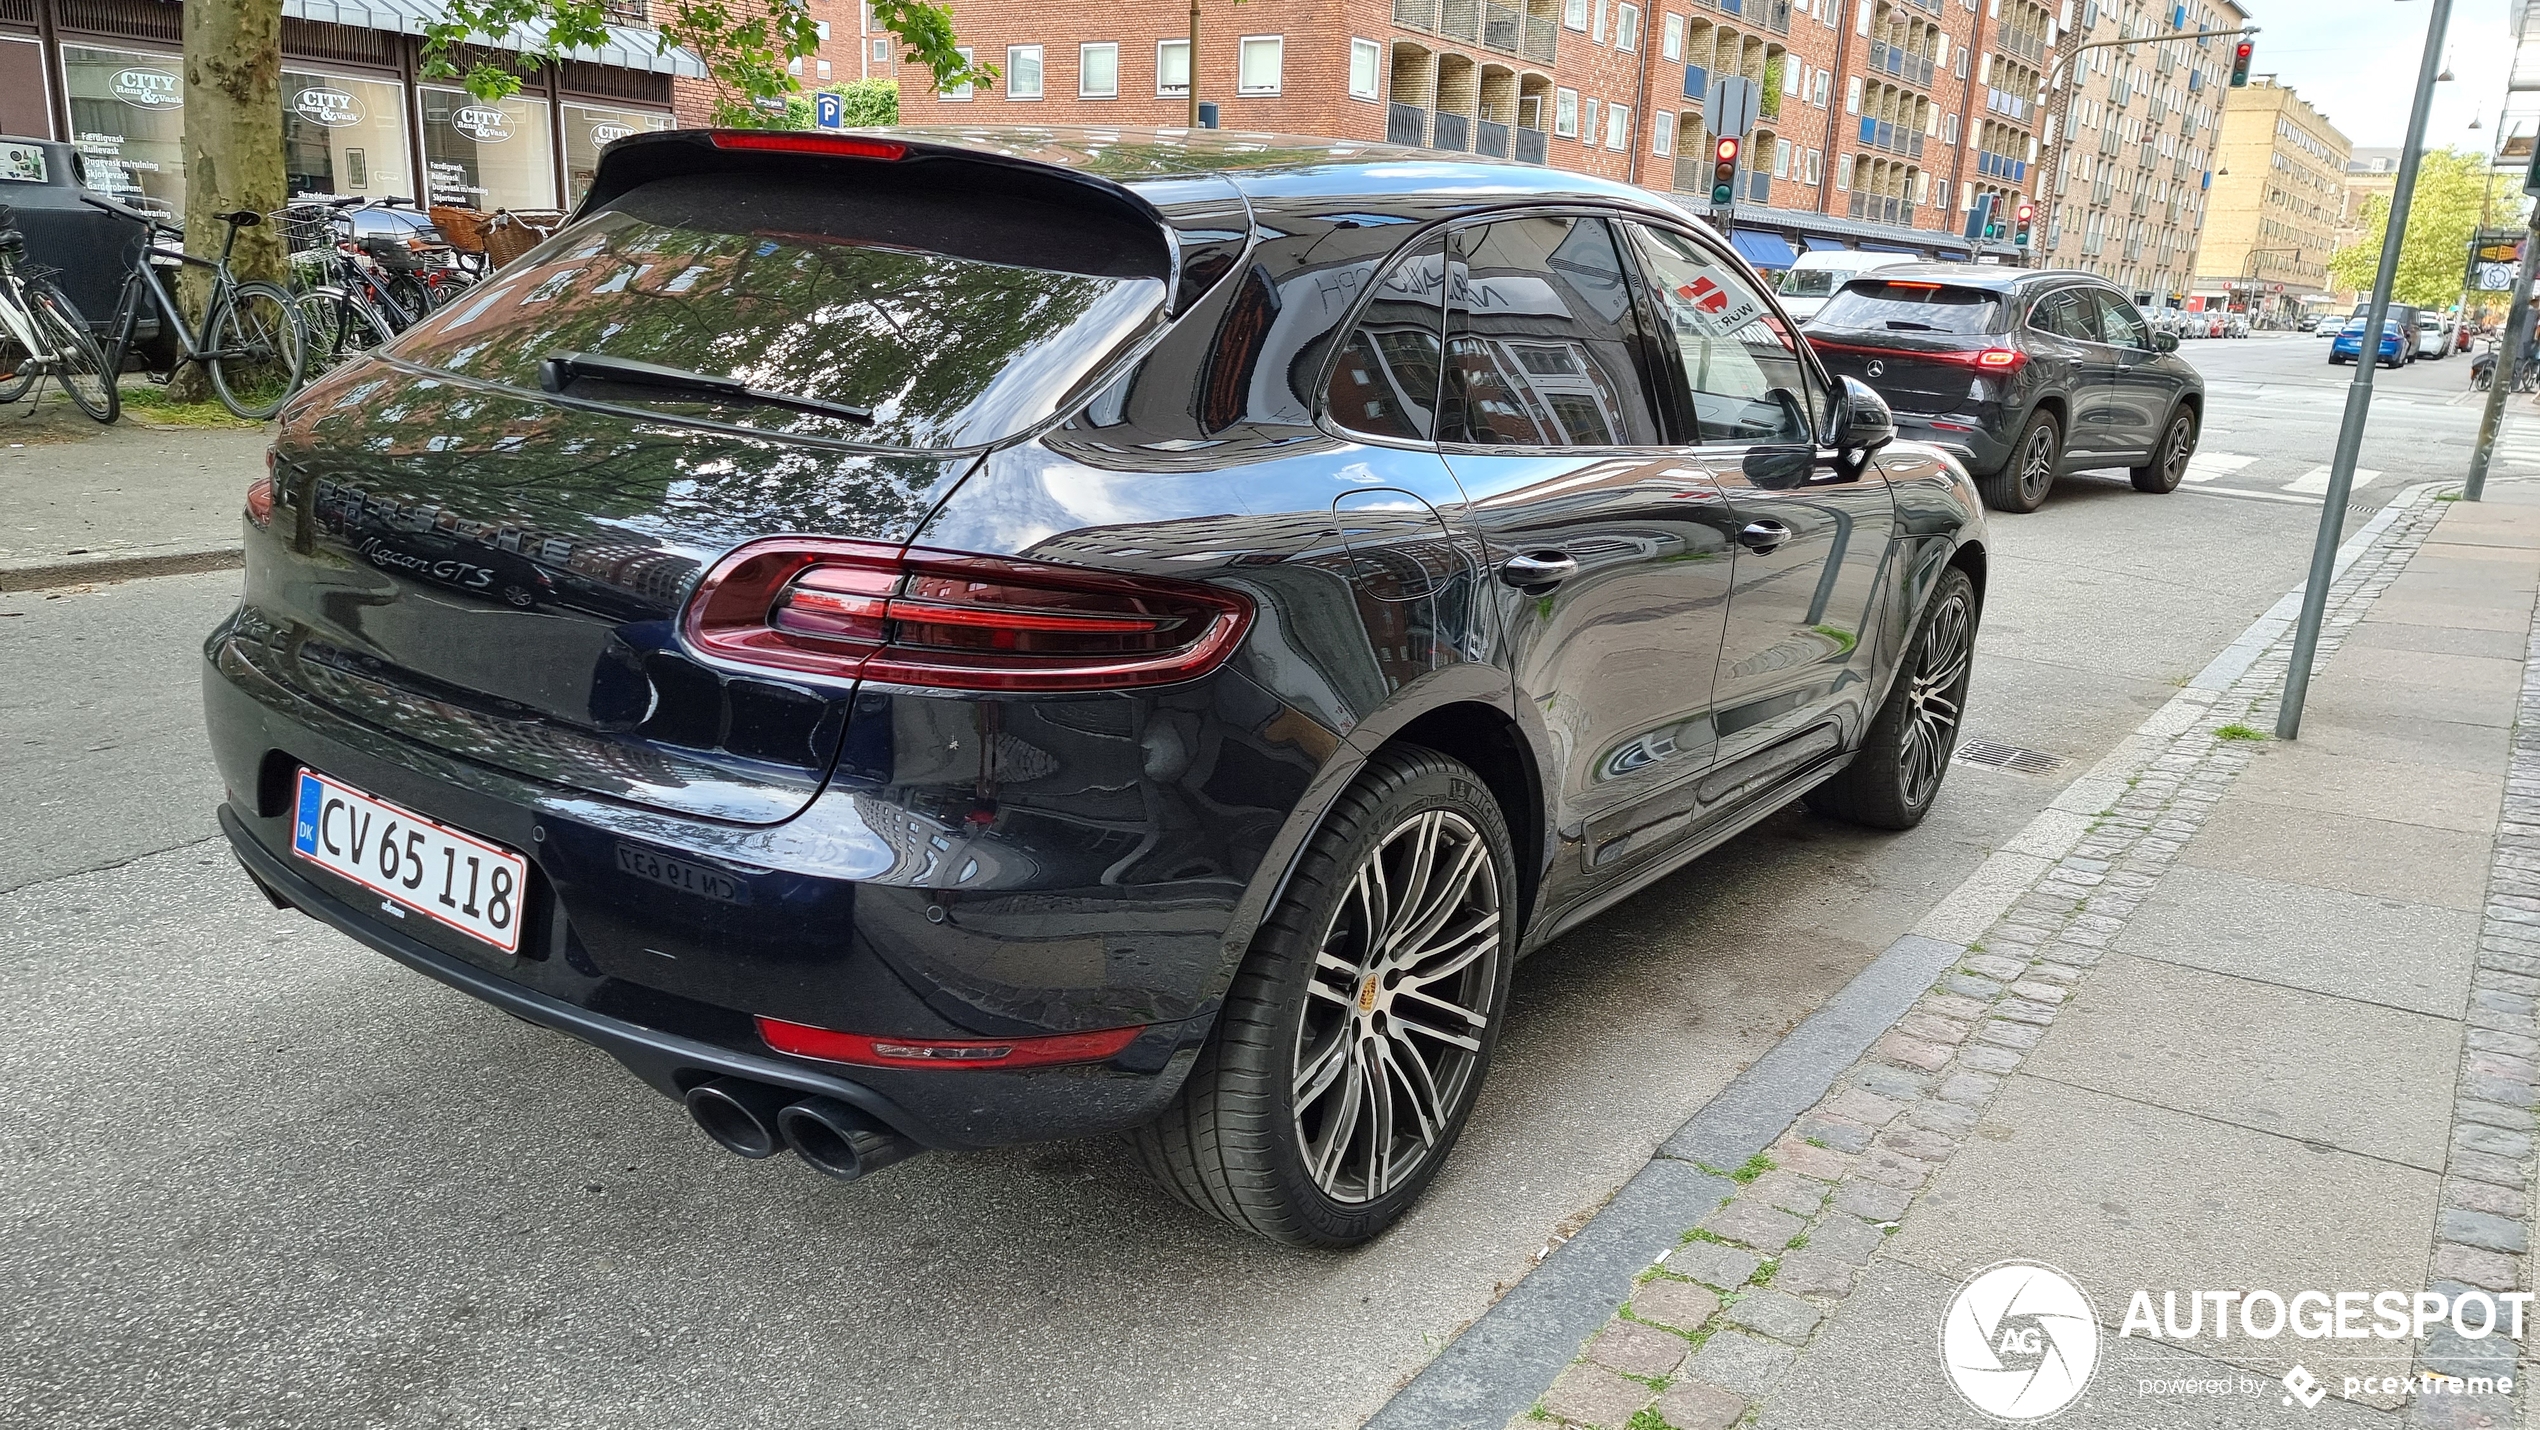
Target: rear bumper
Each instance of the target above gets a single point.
(667, 983)
(1977, 448)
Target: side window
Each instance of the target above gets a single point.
(2117, 318)
(1540, 338)
(2067, 313)
(1385, 381)
(1742, 370)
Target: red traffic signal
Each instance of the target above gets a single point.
(2240, 63)
(1724, 171)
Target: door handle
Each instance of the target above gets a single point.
(1762, 536)
(1536, 570)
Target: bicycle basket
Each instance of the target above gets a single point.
(305, 228)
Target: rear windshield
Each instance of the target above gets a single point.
(1811, 282)
(1905, 306)
(951, 326)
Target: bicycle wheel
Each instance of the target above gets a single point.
(410, 295)
(339, 326)
(17, 365)
(77, 360)
(257, 348)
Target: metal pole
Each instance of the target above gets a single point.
(2500, 378)
(1190, 67)
(2350, 433)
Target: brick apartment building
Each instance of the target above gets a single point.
(2130, 202)
(1883, 121)
(2271, 220)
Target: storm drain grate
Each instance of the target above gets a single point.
(2009, 757)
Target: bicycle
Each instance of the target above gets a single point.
(257, 344)
(42, 334)
(341, 318)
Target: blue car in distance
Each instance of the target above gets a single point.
(2349, 344)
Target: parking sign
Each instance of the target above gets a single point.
(828, 111)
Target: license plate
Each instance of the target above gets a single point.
(415, 864)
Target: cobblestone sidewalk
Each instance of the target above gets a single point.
(1711, 1330)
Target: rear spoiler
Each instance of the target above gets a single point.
(1197, 245)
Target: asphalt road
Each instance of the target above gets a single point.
(253, 1175)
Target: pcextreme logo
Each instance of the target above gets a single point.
(2020, 1341)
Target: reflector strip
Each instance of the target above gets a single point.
(868, 1050)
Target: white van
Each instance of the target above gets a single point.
(1820, 271)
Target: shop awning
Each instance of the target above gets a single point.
(1868, 247)
(627, 47)
(1819, 243)
(1764, 250)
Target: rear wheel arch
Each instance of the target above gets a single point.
(2054, 404)
(1490, 743)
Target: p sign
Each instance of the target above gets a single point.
(828, 111)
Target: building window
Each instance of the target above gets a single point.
(1574, 13)
(1364, 57)
(1940, 195)
(1671, 41)
(1816, 166)
(1587, 124)
(1022, 71)
(480, 154)
(1842, 173)
(882, 50)
(1257, 62)
(1781, 158)
(1627, 29)
(961, 91)
(1662, 131)
(1173, 67)
(1565, 113)
(1852, 95)
(1949, 129)
(587, 129)
(1618, 126)
(347, 136)
(1098, 71)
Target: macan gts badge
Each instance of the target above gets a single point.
(1147, 655)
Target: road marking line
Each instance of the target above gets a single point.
(2205, 466)
(2315, 481)
(2250, 495)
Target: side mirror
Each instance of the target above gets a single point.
(2165, 342)
(1863, 423)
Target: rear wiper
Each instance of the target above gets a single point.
(560, 369)
(1905, 325)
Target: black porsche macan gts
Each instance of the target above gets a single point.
(932, 639)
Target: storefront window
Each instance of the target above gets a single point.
(128, 119)
(488, 155)
(344, 136)
(587, 129)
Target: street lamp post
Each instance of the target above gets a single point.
(2249, 272)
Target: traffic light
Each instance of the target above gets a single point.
(2027, 214)
(2240, 63)
(1724, 171)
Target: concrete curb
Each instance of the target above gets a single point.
(90, 567)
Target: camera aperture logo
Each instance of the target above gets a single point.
(2020, 1341)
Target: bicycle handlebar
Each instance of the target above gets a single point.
(121, 210)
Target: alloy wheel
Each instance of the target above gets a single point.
(2037, 464)
(1933, 697)
(2182, 445)
(1390, 1042)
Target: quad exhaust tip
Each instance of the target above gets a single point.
(755, 1120)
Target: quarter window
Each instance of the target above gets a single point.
(1385, 381)
(1098, 71)
(1742, 375)
(1540, 340)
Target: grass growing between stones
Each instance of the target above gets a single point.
(2238, 731)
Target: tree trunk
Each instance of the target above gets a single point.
(233, 149)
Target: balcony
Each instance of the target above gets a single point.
(1873, 209)
(1461, 20)
(1451, 132)
(1697, 83)
(1406, 124)
(2001, 166)
(1533, 146)
(1543, 39)
(1416, 14)
(1490, 137)
(1893, 138)
(1888, 59)
(1503, 28)
(2026, 45)
(1759, 187)
(1776, 17)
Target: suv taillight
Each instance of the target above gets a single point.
(863, 610)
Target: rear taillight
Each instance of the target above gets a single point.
(868, 1050)
(861, 610)
(2001, 359)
